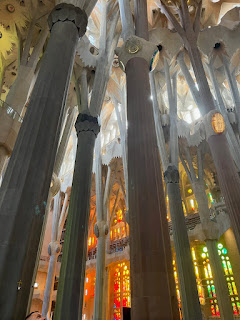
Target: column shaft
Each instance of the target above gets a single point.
(23, 195)
(225, 307)
(233, 253)
(149, 275)
(3, 159)
(228, 179)
(100, 279)
(187, 280)
(49, 285)
(141, 19)
(72, 273)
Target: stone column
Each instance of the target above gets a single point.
(72, 273)
(233, 253)
(225, 307)
(3, 159)
(149, 274)
(24, 191)
(54, 248)
(187, 280)
(227, 174)
(211, 234)
(100, 231)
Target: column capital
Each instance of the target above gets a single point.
(68, 12)
(171, 175)
(135, 47)
(54, 248)
(85, 122)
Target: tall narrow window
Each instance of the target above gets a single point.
(121, 289)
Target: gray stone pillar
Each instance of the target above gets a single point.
(187, 280)
(23, 195)
(72, 273)
(149, 275)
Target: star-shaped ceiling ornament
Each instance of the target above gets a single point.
(13, 15)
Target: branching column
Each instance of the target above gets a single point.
(187, 283)
(210, 229)
(226, 170)
(24, 192)
(72, 273)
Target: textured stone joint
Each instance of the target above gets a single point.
(68, 12)
(85, 122)
(100, 229)
(54, 248)
(171, 175)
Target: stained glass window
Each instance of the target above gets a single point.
(209, 284)
(121, 289)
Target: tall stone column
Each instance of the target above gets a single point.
(188, 289)
(149, 274)
(231, 245)
(72, 273)
(226, 170)
(210, 231)
(228, 180)
(219, 280)
(54, 248)
(100, 231)
(24, 191)
(3, 159)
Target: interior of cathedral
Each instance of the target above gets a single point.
(120, 159)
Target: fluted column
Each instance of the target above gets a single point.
(23, 195)
(149, 275)
(72, 273)
(188, 289)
